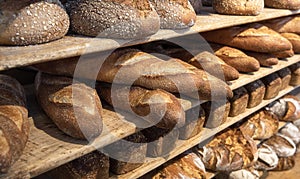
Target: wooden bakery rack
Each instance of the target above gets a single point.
(49, 148)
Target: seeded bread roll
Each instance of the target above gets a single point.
(256, 91)
(238, 7)
(113, 18)
(264, 59)
(174, 14)
(239, 102)
(73, 106)
(295, 69)
(294, 39)
(285, 75)
(14, 123)
(273, 84)
(32, 22)
(283, 4)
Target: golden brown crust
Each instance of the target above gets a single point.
(238, 7)
(273, 84)
(289, 24)
(285, 75)
(256, 91)
(294, 39)
(239, 102)
(264, 59)
(283, 4)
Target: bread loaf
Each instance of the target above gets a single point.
(278, 108)
(14, 123)
(264, 59)
(288, 24)
(284, 54)
(244, 173)
(273, 85)
(113, 19)
(253, 37)
(294, 39)
(236, 58)
(238, 7)
(127, 154)
(291, 131)
(174, 14)
(239, 102)
(90, 166)
(256, 91)
(261, 125)
(267, 158)
(293, 109)
(155, 107)
(74, 107)
(285, 75)
(282, 145)
(32, 22)
(216, 113)
(285, 163)
(283, 4)
(229, 151)
(295, 79)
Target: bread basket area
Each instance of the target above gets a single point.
(257, 80)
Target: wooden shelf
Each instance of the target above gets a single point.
(183, 145)
(69, 46)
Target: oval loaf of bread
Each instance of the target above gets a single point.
(238, 7)
(14, 123)
(31, 22)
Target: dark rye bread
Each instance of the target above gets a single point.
(256, 91)
(174, 14)
(295, 69)
(113, 18)
(253, 37)
(238, 7)
(239, 102)
(73, 106)
(32, 22)
(272, 83)
(216, 113)
(90, 166)
(285, 75)
(14, 123)
(156, 107)
(283, 4)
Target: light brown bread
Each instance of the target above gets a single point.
(264, 59)
(156, 107)
(253, 37)
(284, 54)
(239, 102)
(273, 84)
(174, 14)
(285, 75)
(14, 123)
(32, 22)
(216, 113)
(113, 18)
(294, 39)
(256, 91)
(295, 69)
(236, 58)
(289, 24)
(238, 7)
(73, 106)
(283, 4)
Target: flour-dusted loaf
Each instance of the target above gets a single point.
(93, 165)
(32, 22)
(285, 75)
(285, 163)
(238, 7)
(174, 14)
(228, 151)
(294, 39)
(283, 4)
(248, 173)
(155, 107)
(256, 91)
(272, 83)
(291, 131)
(73, 106)
(293, 108)
(113, 19)
(239, 101)
(288, 24)
(264, 59)
(236, 58)
(261, 125)
(282, 145)
(14, 122)
(216, 113)
(253, 37)
(267, 158)
(295, 69)
(127, 154)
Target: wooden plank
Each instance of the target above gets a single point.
(75, 45)
(183, 145)
(263, 71)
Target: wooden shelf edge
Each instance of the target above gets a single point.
(70, 46)
(183, 145)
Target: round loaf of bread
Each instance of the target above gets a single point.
(32, 22)
(238, 7)
(283, 4)
(113, 18)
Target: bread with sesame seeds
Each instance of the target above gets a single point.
(32, 22)
(123, 19)
(238, 7)
(174, 14)
(14, 123)
(283, 4)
